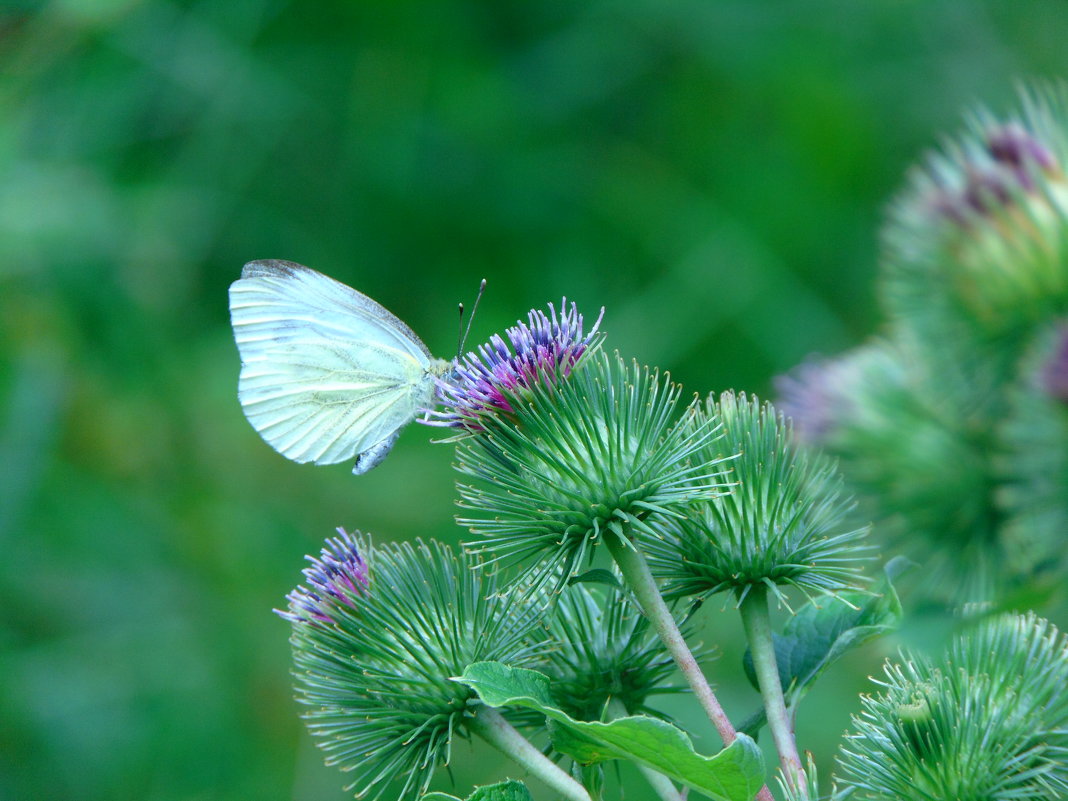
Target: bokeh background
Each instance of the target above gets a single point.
(712, 173)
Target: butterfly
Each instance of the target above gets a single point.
(327, 374)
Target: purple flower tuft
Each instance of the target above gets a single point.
(1007, 163)
(813, 397)
(987, 190)
(1054, 373)
(335, 578)
(1013, 146)
(543, 349)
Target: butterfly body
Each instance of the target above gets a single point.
(327, 374)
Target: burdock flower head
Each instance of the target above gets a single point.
(605, 659)
(990, 721)
(980, 230)
(783, 524)
(565, 444)
(377, 634)
(900, 418)
(544, 349)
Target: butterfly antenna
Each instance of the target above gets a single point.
(460, 332)
(471, 319)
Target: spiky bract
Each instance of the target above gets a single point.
(808, 789)
(600, 450)
(374, 665)
(988, 724)
(604, 649)
(782, 524)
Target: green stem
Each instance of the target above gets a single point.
(757, 622)
(661, 784)
(489, 724)
(640, 579)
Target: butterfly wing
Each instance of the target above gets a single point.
(326, 373)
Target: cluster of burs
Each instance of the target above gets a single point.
(951, 428)
(604, 510)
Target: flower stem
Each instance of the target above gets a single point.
(639, 578)
(489, 724)
(661, 784)
(757, 622)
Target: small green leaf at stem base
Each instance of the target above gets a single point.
(734, 774)
(818, 635)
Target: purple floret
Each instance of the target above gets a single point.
(812, 397)
(1013, 146)
(337, 576)
(544, 349)
(1013, 159)
(1054, 375)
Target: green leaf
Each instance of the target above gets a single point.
(597, 575)
(582, 748)
(818, 635)
(510, 790)
(734, 774)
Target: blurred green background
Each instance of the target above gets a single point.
(713, 173)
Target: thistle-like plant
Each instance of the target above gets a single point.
(603, 656)
(783, 524)
(990, 721)
(950, 427)
(605, 661)
(939, 425)
(560, 460)
(908, 452)
(979, 235)
(564, 459)
(378, 632)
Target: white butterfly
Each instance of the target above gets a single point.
(327, 374)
